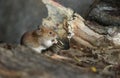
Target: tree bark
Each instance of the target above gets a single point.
(71, 26)
(20, 62)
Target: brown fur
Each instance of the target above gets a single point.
(35, 38)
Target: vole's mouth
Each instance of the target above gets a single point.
(54, 41)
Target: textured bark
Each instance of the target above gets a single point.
(20, 62)
(67, 23)
(98, 58)
(106, 12)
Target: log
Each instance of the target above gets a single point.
(106, 13)
(71, 26)
(20, 62)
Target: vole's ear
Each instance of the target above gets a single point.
(38, 32)
(38, 27)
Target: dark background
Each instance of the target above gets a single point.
(19, 16)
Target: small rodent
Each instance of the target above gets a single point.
(39, 39)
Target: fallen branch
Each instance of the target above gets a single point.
(71, 26)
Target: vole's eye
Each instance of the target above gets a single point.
(50, 32)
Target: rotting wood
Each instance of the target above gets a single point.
(71, 26)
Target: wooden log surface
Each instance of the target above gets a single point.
(20, 62)
(67, 23)
(92, 61)
(106, 12)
